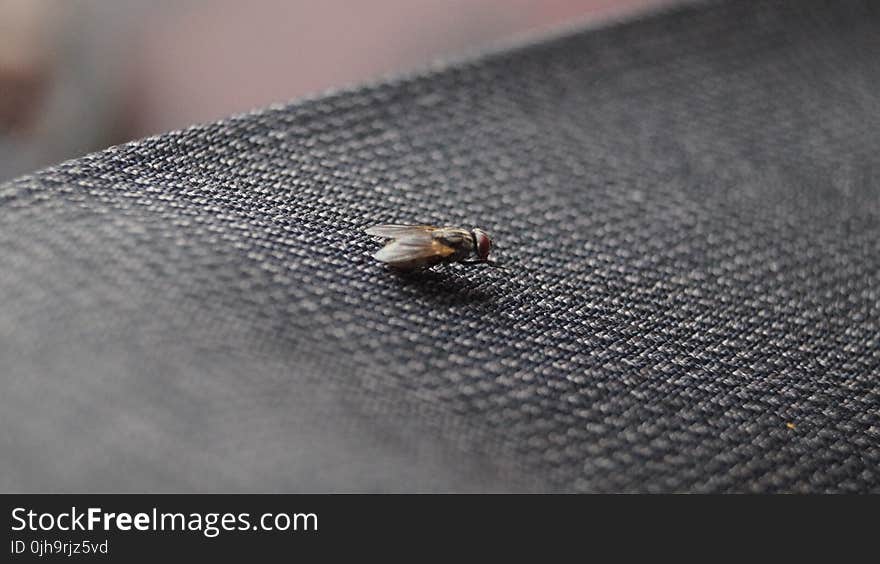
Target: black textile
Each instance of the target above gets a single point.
(688, 208)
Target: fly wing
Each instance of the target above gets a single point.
(409, 249)
(400, 231)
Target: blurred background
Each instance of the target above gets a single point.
(80, 75)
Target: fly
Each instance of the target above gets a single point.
(414, 247)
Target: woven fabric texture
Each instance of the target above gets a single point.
(688, 206)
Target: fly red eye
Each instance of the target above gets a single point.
(483, 244)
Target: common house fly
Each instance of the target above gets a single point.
(414, 247)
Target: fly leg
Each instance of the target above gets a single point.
(487, 262)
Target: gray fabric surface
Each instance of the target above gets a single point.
(688, 208)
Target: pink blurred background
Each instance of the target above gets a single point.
(81, 75)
